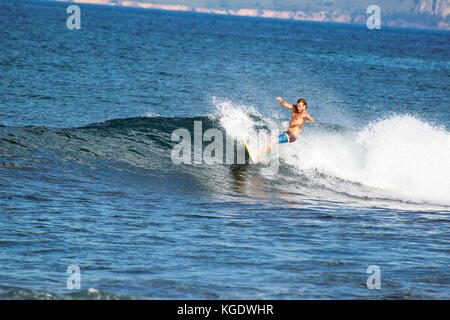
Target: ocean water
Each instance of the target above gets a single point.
(87, 177)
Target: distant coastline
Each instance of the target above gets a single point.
(321, 16)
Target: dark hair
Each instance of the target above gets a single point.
(304, 101)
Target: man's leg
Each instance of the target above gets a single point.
(271, 142)
(282, 138)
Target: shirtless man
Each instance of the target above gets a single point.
(298, 119)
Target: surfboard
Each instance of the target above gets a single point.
(251, 154)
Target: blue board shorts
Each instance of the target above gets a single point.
(286, 136)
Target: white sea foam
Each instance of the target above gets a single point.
(151, 114)
(244, 122)
(402, 155)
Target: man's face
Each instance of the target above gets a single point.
(300, 106)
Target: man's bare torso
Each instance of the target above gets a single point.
(297, 122)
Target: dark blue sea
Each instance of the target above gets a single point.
(87, 176)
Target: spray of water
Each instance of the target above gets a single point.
(405, 156)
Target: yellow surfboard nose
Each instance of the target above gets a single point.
(252, 156)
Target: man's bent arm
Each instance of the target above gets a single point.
(285, 104)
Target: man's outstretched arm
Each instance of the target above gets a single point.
(285, 104)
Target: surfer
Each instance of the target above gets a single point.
(298, 118)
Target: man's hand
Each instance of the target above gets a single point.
(280, 99)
